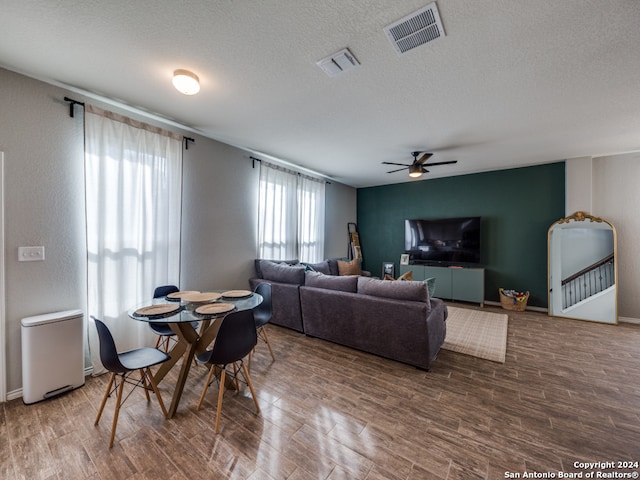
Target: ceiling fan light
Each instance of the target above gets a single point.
(415, 171)
(186, 82)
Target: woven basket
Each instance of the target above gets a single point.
(513, 304)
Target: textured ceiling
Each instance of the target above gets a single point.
(513, 82)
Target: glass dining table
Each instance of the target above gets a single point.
(180, 310)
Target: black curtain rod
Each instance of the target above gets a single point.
(254, 160)
(72, 104)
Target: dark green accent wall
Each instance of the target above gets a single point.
(517, 207)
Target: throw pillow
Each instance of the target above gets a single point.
(349, 268)
(431, 286)
(347, 283)
(283, 273)
(322, 267)
(406, 276)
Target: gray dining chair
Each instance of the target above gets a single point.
(262, 316)
(234, 341)
(121, 366)
(163, 330)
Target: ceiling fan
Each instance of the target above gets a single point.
(417, 168)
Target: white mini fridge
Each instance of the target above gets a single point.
(52, 354)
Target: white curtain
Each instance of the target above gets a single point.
(277, 213)
(310, 219)
(290, 215)
(133, 182)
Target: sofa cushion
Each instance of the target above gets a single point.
(347, 283)
(322, 267)
(333, 266)
(349, 268)
(407, 290)
(283, 272)
(259, 262)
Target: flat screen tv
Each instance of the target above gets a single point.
(443, 241)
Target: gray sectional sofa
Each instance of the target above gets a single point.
(285, 278)
(395, 320)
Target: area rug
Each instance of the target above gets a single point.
(477, 333)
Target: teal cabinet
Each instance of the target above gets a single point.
(452, 283)
(443, 280)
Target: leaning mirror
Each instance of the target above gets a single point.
(582, 269)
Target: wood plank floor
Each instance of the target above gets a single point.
(569, 391)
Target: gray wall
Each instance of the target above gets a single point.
(219, 213)
(340, 209)
(616, 197)
(44, 205)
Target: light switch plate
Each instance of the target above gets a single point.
(30, 254)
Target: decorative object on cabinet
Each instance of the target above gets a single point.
(388, 269)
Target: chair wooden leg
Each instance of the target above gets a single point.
(220, 394)
(253, 393)
(143, 379)
(158, 341)
(206, 386)
(235, 376)
(266, 339)
(104, 398)
(117, 412)
(157, 392)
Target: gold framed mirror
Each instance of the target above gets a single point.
(583, 269)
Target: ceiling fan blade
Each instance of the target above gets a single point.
(442, 163)
(424, 158)
(424, 170)
(393, 171)
(392, 163)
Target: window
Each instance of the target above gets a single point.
(290, 215)
(133, 183)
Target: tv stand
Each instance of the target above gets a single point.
(452, 282)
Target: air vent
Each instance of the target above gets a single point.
(338, 63)
(416, 29)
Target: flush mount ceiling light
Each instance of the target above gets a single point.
(186, 82)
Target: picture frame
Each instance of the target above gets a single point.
(404, 259)
(388, 268)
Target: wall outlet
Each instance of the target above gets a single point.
(30, 254)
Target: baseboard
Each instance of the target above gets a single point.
(18, 392)
(629, 320)
(533, 309)
(14, 394)
(545, 310)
